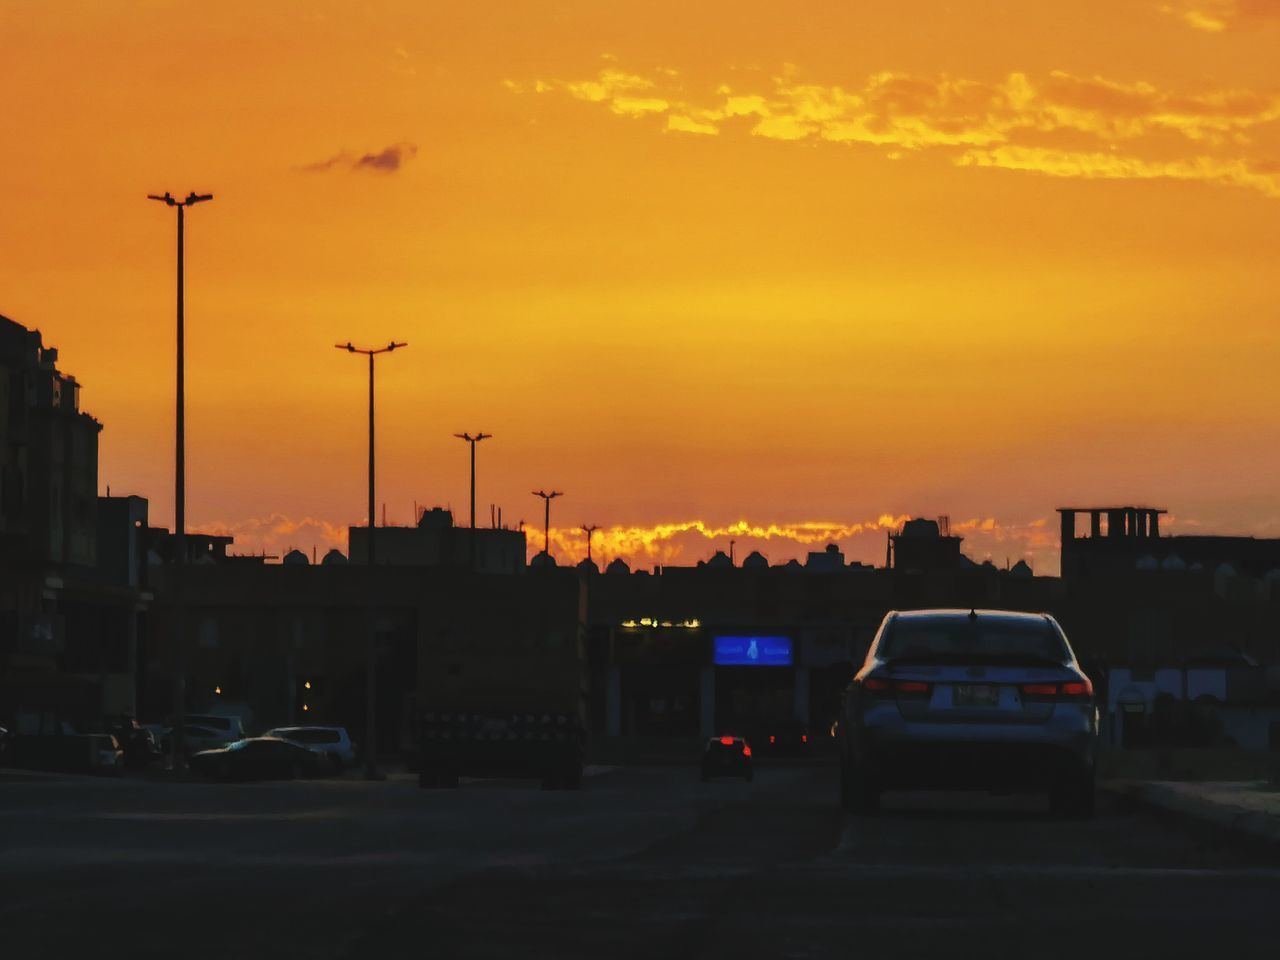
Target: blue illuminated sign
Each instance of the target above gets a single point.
(753, 651)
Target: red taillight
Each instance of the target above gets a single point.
(746, 750)
(772, 738)
(875, 685)
(1070, 690)
(911, 686)
(727, 741)
(1078, 689)
(804, 738)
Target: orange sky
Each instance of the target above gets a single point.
(787, 264)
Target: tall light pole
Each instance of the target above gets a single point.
(371, 668)
(589, 530)
(177, 740)
(472, 441)
(546, 522)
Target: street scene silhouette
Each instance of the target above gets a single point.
(882, 546)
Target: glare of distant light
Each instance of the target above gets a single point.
(218, 691)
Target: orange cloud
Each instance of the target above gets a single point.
(1117, 130)
(276, 534)
(1216, 16)
(682, 542)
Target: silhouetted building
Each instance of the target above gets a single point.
(925, 546)
(255, 634)
(827, 560)
(48, 456)
(436, 542)
(71, 579)
(1147, 599)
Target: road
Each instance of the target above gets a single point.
(643, 862)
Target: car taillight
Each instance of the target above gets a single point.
(911, 689)
(1070, 690)
(727, 741)
(804, 738)
(1078, 689)
(1039, 689)
(746, 750)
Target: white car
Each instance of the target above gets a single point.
(230, 728)
(328, 740)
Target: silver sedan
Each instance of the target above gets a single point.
(969, 699)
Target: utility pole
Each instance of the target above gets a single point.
(177, 740)
(546, 522)
(472, 441)
(371, 668)
(589, 530)
(731, 543)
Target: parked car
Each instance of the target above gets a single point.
(969, 699)
(67, 752)
(727, 757)
(194, 739)
(329, 741)
(231, 728)
(257, 758)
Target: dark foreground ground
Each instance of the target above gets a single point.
(642, 863)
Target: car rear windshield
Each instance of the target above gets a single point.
(971, 639)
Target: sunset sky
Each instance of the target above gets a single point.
(794, 269)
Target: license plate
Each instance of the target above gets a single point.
(976, 695)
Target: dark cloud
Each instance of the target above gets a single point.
(387, 160)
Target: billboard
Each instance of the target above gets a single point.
(752, 651)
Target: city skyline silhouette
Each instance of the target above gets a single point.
(864, 268)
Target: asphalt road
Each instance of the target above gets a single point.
(643, 862)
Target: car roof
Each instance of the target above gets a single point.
(945, 614)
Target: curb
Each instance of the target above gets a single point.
(1169, 798)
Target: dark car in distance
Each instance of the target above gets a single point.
(257, 758)
(727, 757)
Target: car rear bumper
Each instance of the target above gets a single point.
(1010, 756)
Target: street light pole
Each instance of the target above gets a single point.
(546, 523)
(371, 666)
(176, 739)
(589, 530)
(471, 537)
